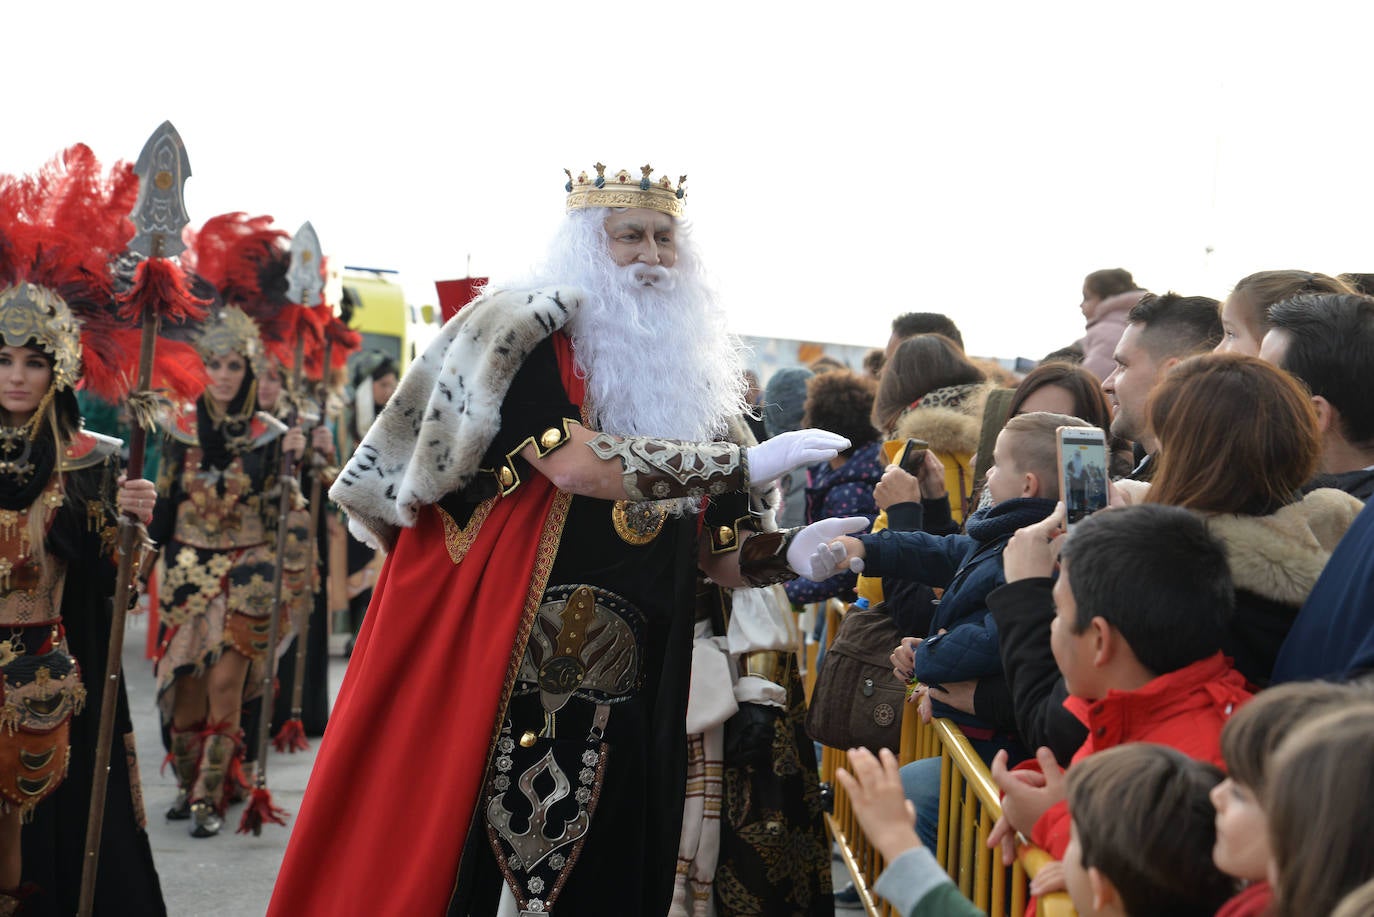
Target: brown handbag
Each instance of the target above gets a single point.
(857, 701)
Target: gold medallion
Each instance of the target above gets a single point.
(637, 523)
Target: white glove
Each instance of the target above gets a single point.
(773, 458)
(811, 555)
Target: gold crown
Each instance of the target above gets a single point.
(231, 329)
(624, 190)
(30, 313)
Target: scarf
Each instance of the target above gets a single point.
(1003, 519)
(225, 436)
(26, 464)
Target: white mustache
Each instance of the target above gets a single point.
(649, 275)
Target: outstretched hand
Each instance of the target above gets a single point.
(822, 549)
(773, 458)
(875, 791)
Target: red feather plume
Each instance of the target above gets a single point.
(161, 285)
(63, 228)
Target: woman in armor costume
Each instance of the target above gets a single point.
(216, 516)
(61, 493)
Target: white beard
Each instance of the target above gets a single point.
(651, 342)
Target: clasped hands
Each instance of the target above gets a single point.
(824, 548)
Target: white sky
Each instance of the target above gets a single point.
(846, 162)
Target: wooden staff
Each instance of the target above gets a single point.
(304, 285)
(291, 737)
(159, 216)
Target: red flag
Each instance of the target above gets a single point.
(455, 294)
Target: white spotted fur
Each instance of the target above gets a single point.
(430, 438)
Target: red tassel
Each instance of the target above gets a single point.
(161, 285)
(291, 737)
(235, 777)
(259, 811)
(165, 761)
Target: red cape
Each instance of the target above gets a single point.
(401, 764)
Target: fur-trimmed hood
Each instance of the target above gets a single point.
(432, 434)
(1280, 556)
(951, 430)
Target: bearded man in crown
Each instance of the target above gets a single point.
(550, 480)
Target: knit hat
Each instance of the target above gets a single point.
(783, 400)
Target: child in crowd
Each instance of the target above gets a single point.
(963, 644)
(1320, 798)
(1141, 606)
(1247, 741)
(1140, 844)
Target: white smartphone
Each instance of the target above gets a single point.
(1082, 471)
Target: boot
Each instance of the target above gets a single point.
(186, 748)
(209, 797)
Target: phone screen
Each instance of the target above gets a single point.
(1082, 471)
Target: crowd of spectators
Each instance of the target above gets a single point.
(1172, 697)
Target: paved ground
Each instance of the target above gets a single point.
(226, 876)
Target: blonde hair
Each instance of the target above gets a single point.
(1036, 449)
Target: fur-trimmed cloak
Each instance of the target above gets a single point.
(436, 657)
(431, 436)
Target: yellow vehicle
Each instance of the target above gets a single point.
(372, 303)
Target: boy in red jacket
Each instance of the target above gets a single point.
(1141, 605)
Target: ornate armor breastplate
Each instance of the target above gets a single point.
(587, 645)
(30, 593)
(208, 519)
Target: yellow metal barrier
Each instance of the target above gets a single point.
(970, 805)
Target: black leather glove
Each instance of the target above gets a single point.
(749, 734)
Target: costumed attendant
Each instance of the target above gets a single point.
(216, 518)
(61, 493)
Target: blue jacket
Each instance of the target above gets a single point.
(967, 567)
(1333, 636)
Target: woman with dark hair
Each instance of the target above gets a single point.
(1064, 388)
(217, 522)
(933, 393)
(1238, 439)
(840, 401)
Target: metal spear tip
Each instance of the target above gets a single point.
(160, 212)
(305, 278)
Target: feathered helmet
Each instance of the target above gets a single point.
(245, 260)
(61, 233)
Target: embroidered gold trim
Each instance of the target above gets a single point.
(544, 557)
(727, 538)
(458, 539)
